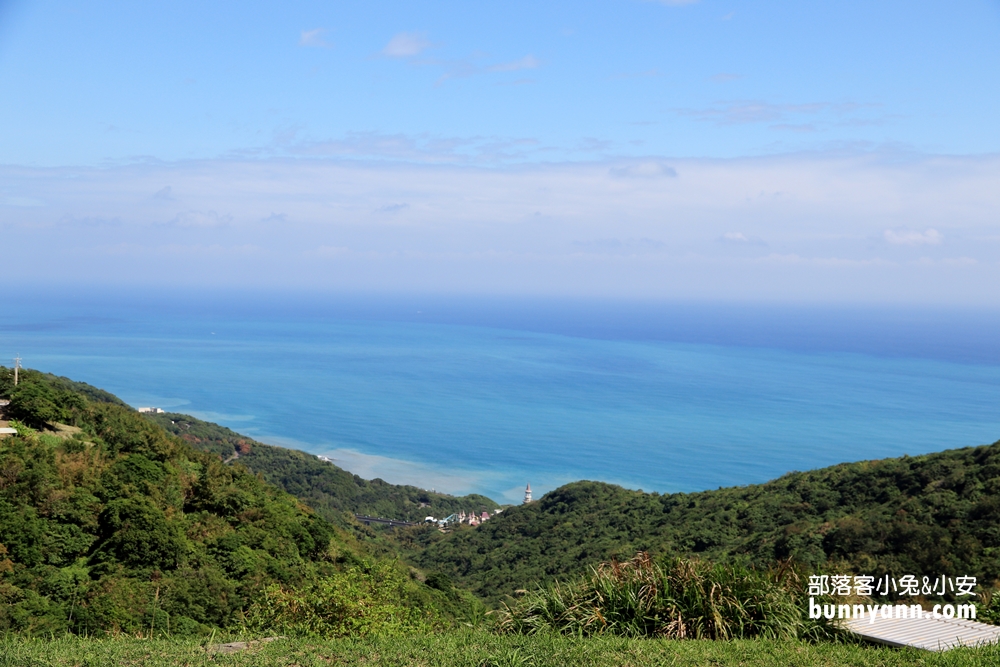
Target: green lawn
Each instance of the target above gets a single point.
(471, 649)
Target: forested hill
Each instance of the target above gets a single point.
(330, 490)
(926, 515)
(109, 524)
(107, 520)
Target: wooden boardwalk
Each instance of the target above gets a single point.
(932, 634)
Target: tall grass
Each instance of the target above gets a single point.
(676, 599)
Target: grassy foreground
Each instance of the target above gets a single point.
(472, 649)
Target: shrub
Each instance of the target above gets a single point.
(989, 611)
(363, 601)
(678, 599)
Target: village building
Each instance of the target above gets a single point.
(5, 428)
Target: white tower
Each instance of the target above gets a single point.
(527, 494)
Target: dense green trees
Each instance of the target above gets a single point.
(329, 490)
(108, 523)
(927, 515)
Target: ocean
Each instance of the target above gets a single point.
(485, 395)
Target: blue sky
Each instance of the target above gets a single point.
(809, 151)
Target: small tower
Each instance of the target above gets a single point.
(527, 494)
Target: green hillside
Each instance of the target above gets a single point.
(109, 524)
(330, 490)
(925, 515)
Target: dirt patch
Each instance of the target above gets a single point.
(235, 647)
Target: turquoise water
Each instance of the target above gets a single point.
(461, 407)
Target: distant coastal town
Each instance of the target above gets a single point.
(472, 518)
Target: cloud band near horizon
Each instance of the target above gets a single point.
(848, 228)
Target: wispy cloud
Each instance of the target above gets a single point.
(629, 246)
(912, 238)
(392, 208)
(739, 238)
(734, 113)
(593, 145)
(21, 202)
(331, 251)
(756, 111)
(406, 45)
(603, 227)
(527, 62)
(726, 77)
(645, 169)
(201, 219)
(635, 75)
(795, 127)
(164, 194)
(314, 38)
(412, 45)
(424, 148)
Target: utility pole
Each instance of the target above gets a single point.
(17, 365)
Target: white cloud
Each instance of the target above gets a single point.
(22, 202)
(331, 251)
(527, 62)
(946, 262)
(620, 246)
(165, 193)
(201, 219)
(912, 238)
(314, 38)
(739, 238)
(406, 45)
(421, 148)
(741, 112)
(646, 169)
(599, 228)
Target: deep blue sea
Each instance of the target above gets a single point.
(472, 395)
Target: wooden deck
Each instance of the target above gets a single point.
(932, 634)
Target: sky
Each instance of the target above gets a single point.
(750, 151)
